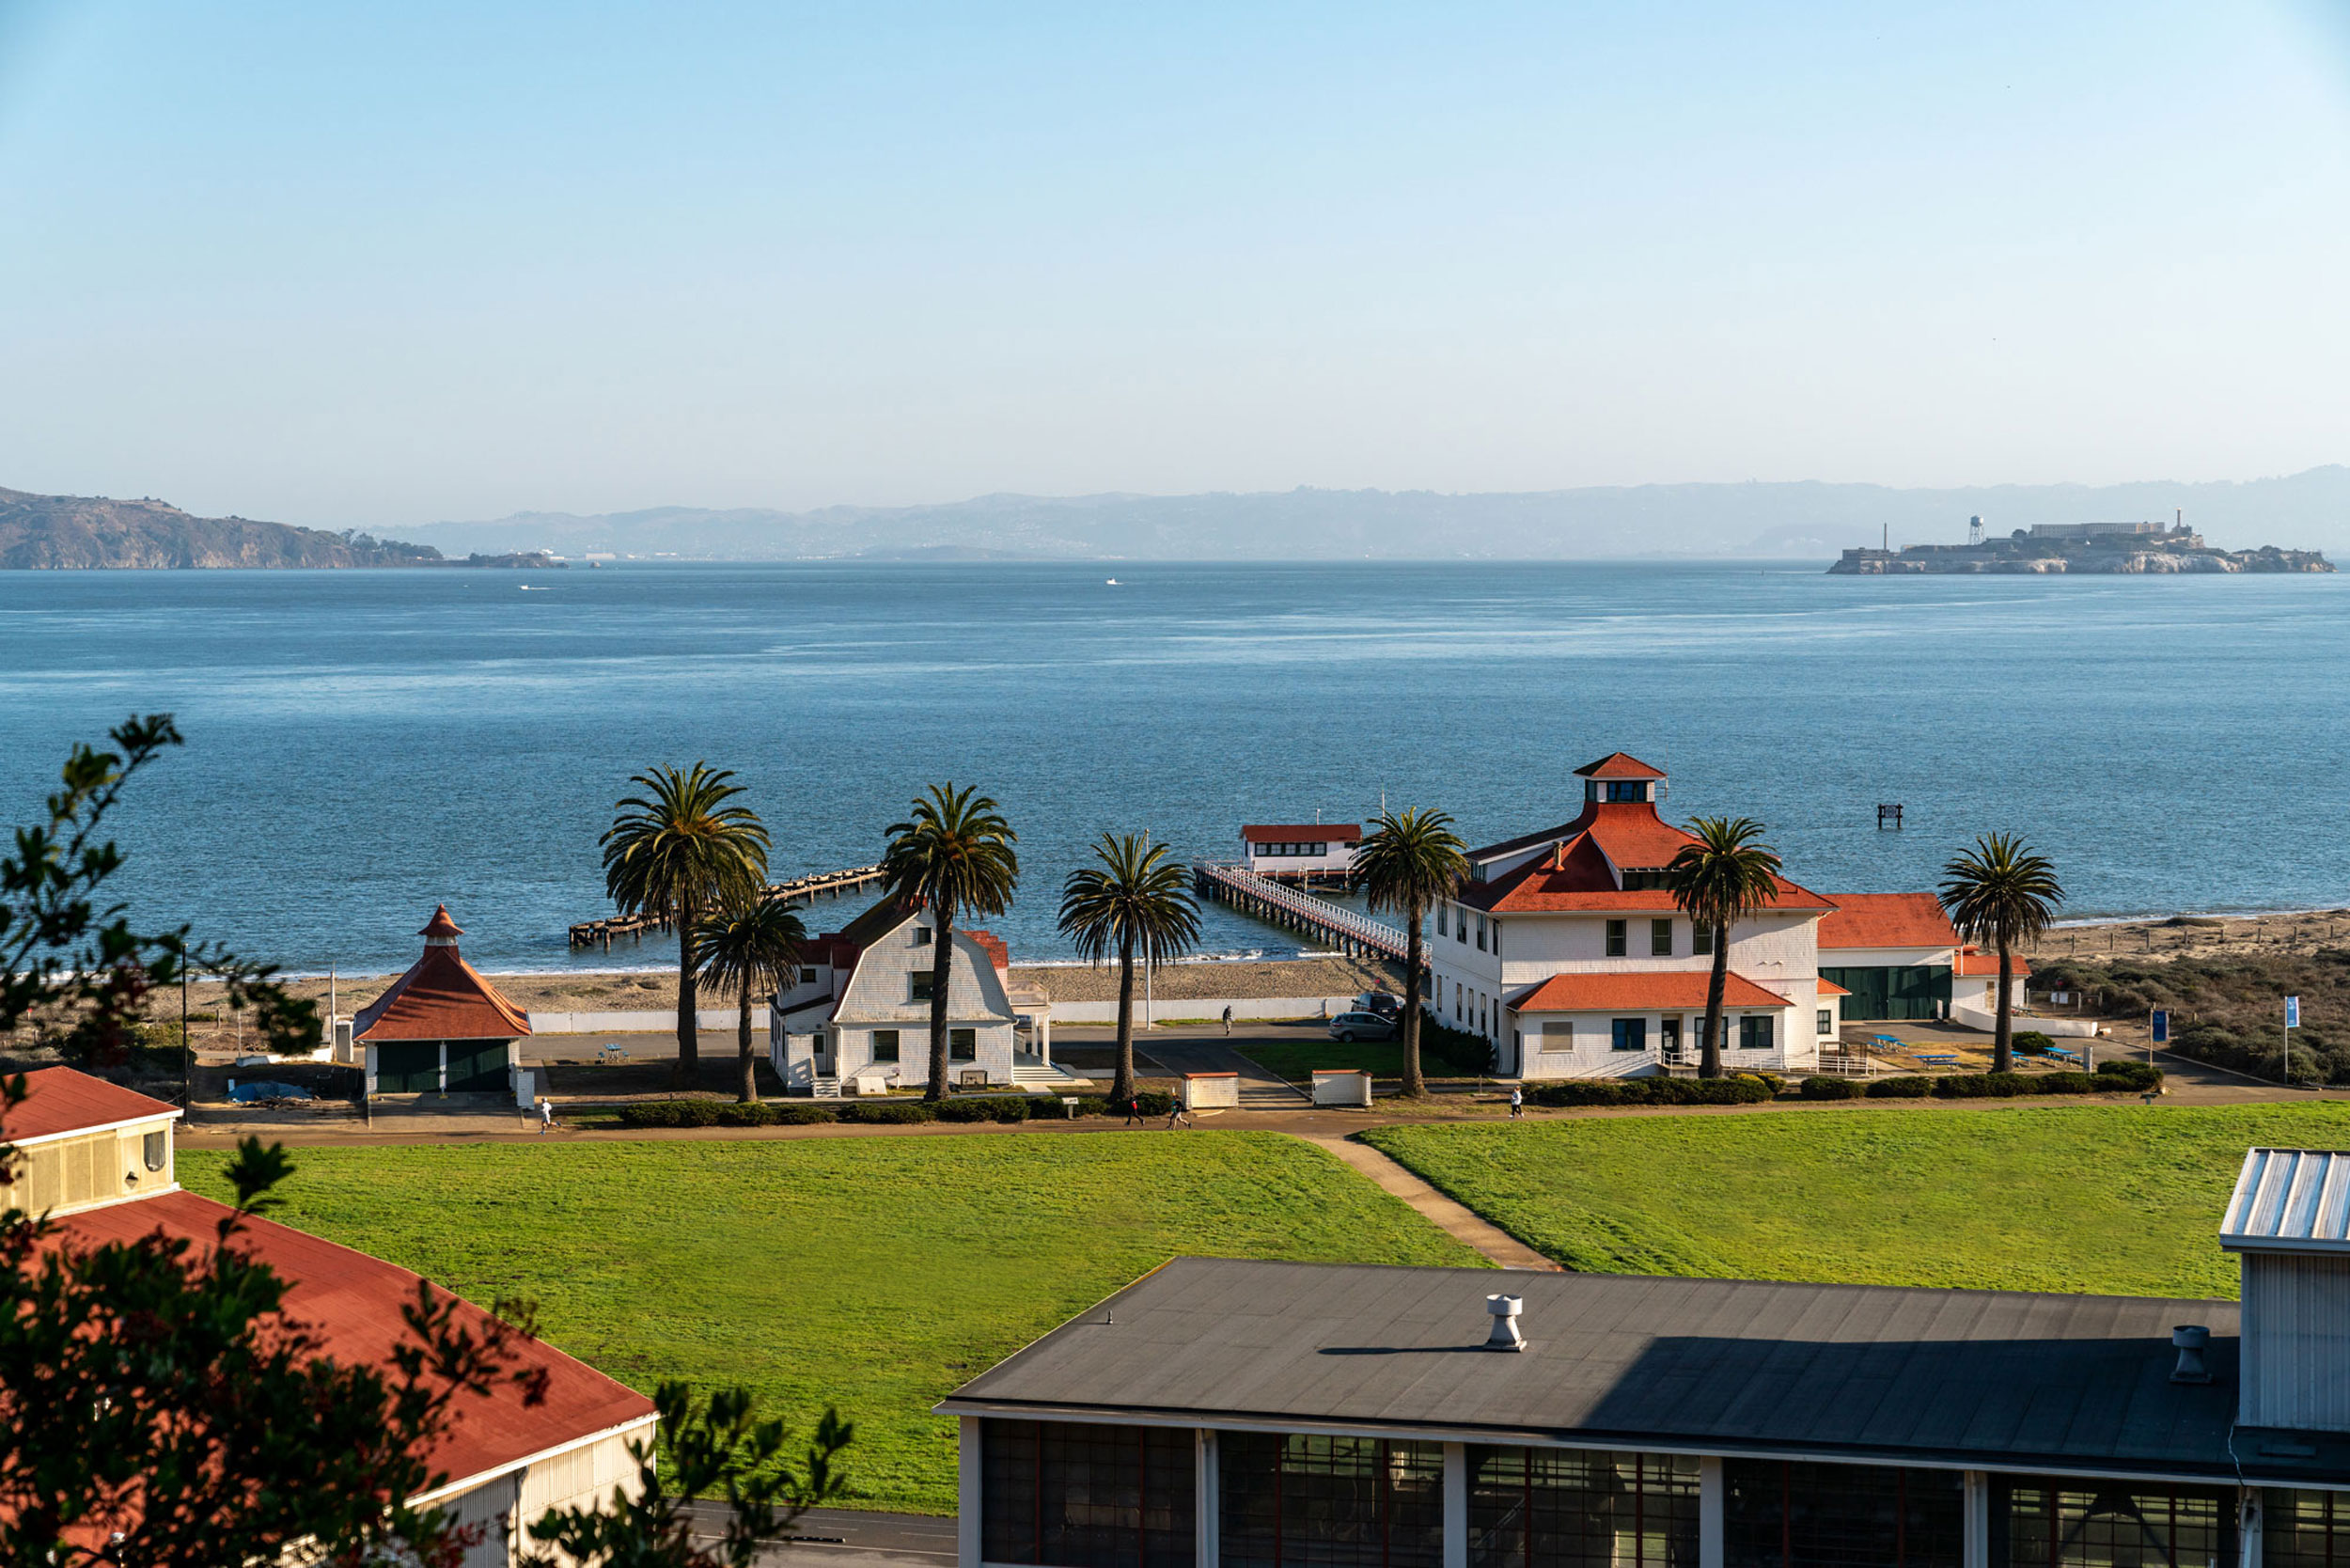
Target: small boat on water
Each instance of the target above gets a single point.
(1113, 582)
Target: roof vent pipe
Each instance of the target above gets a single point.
(2191, 1340)
(1505, 1335)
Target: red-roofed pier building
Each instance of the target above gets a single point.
(98, 1160)
(1301, 851)
(441, 1028)
(1565, 949)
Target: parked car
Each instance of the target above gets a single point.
(1350, 1027)
(1381, 1002)
(262, 1091)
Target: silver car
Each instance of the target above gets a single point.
(1352, 1026)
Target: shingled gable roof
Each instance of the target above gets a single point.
(1616, 764)
(1576, 874)
(440, 998)
(1887, 920)
(60, 1102)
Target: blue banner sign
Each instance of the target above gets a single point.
(2162, 1026)
(2292, 1012)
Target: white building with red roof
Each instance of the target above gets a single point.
(1301, 851)
(98, 1159)
(1899, 957)
(440, 1028)
(1565, 949)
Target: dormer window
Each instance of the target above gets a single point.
(1621, 791)
(921, 936)
(151, 1151)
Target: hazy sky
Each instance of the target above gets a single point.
(349, 265)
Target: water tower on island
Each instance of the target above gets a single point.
(1974, 530)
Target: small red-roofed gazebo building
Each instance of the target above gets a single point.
(441, 1028)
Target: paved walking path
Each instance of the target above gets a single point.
(1454, 1219)
(1260, 1090)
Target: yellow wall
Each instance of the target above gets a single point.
(69, 1173)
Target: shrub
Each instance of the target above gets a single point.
(802, 1115)
(672, 1113)
(2064, 1083)
(886, 1112)
(1740, 1090)
(2129, 1075)
(2032, 1042)
(1832, 1088)
(1001, 1107)
(1909, 1086)
(1442, 1047)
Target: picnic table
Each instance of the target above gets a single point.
(1936, 1058)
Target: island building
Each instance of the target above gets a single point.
(2127, 548)
(1301, 851)
(857, 1015)
(1229, 1414)
(440, 1028)
(97, 1158)
(1565, 950)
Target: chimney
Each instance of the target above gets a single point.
(2190, 1339)
(1505, 1335)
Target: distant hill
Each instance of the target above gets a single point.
(64, 532)
(1805, 519)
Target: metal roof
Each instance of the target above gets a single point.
(2290, 1200)
(1958, 1377)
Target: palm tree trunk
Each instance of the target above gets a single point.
(1415, 1086)
(1122, 1085)
(1710, 1054)
(2003, 1027)
(942, 970)
(749, 1093)
(688, 1074)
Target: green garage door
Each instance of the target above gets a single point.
(1892, 992)
(477, 1067)
(408, 1067)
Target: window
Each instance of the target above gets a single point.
(1086, 1497)
(1697, 1030)
(1480, 933)
(920, 985)
(1660, 939)
(1630, 1034)
(1651, 880)
(962, 1045)
(1295, 1500)
(884, 1045)
(1617, 946)
(1782, 1514)
(1701, 939)
(1623, 789)
(1754, 1032)
(921, 936)
(1456, 1001)
(2159, 1527)
(1321, 849)
(808, 976)
(1440, 921)
(1828, 1021)
(1460, 927)
(1572, 1508)
(1496, 938)
(1558, 1035)
(2304, 1529)
(151, 1149)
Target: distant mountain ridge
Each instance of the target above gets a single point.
(1800, 520)
(82, 532)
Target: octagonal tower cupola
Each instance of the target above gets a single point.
(1621, 779)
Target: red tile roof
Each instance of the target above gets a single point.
(1973, 962)
(58, 1100)
(1575, 875)
(440, 998)
(1829, 988)
(1887, 920)
(353, 1301)
(1311, 833)
(993, 945)
(1665, 990)
(1617, 765)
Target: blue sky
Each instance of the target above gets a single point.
(369, 266)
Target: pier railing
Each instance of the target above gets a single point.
(800, 889)
(1283, 905)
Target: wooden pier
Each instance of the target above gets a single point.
(798, 891)
(1276, 904)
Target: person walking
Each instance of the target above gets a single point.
(1517, 1101)
(1228, 1020)
(1134, 1111)
(546, 1116)
(1178, 1114)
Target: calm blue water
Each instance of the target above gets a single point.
(362, 744)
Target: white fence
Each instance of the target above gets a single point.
(1209, 1007)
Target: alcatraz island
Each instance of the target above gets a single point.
(2126, 548)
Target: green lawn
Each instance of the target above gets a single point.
(2104, 1199)
(1295, 1060)
(873, 1273)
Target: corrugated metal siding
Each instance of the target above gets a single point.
(2297, 1342)
(2290, 1198)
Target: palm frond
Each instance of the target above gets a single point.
(1410, 861)
(954, 854)
(1727, 874)
(1134, 895)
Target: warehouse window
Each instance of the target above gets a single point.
(1086, 1497)
(2109, 1526)
(1295, 1500)
(1782, 1515)
(1574, 1508)
(2304, 1529)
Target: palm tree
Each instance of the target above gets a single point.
(1724, 876)
(1133, 900)
(1410, 862)
(750, 942)
(953, 854)
(2001, 893)
(675, 851)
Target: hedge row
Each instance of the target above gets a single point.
(793, 1113)
(2111, 1077)
(1744, 1089)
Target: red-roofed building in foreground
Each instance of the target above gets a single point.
(1566, 951)
(98, 1159)
(441, 1028)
